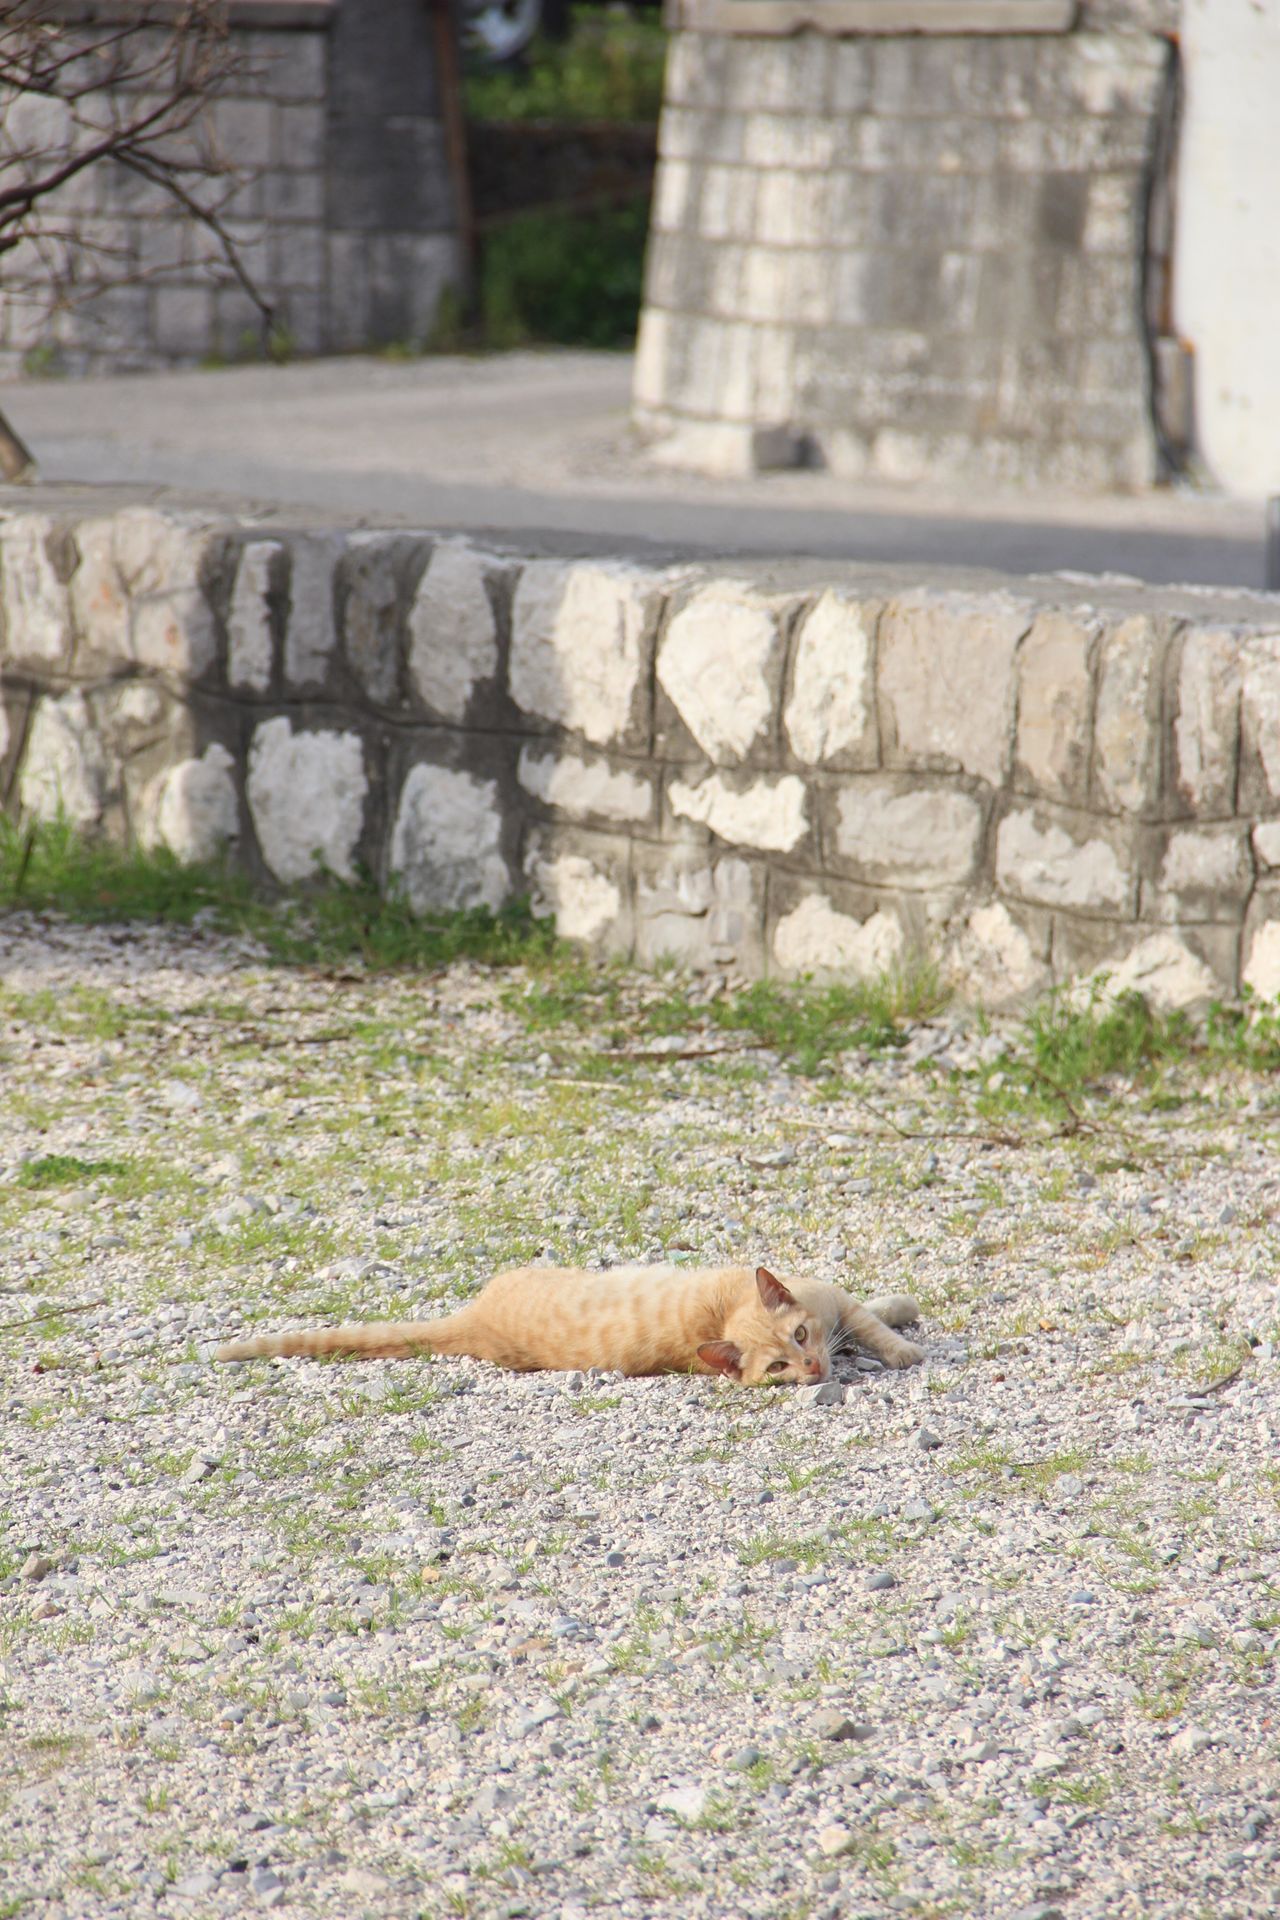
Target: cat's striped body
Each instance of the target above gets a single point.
(636, 1320)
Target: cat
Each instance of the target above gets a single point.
(752, 1328)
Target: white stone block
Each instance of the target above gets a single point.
(370, 612)
(160, 559)
(719, 662)
(139, 703)
(671, 186)
(250, 646)
(768, 814)
(1206, 729)
(1126, 749)
(585, 788)
(946, 674)
(586, 903)
(33, 601)
(649, 376)
(194, 811)
(730, 449)
(697, 912)
(453, 636)
(1260, 702)
(1050, 866)
(1207, 860)
(137, 592)
(831, 712)
(306, 794)
(98, 594)
(992, 960)
(1261, 969)
(1266, 843)
(815, 939)
(446, 842)
(726, 206)
(310, 634)
(66, 773)
(1055, 696)
(928, 837)
(578, 645)
(1163, 970)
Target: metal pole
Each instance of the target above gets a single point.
(1273, 543)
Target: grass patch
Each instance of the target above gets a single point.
(63, 1169)
(50, 867)
(1071, 1045)
(809, 1026)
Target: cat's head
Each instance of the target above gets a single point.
(775, 1341)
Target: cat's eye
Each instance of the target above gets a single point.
(800, 1335)
(777, 1366)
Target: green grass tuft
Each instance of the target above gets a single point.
(810, 1025)
(51, 867)
(61, 1169)
(1074, 1042)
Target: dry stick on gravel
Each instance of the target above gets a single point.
(54, 1313)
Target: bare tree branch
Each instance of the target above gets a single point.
(82, 89)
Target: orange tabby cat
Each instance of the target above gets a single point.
(751, 1327)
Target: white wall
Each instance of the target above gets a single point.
(1227, 262)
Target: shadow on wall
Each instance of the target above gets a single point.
(812, 780)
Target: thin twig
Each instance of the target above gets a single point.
(1226, 1380)
(54, 1313)
(682, 1053)
(159, 176)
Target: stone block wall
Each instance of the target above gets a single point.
(343, 210)
(823, 774)
(906, 256)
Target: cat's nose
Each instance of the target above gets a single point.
(813, 1366)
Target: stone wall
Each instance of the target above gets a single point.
(906, 256)
(343, 211)
(784, 771)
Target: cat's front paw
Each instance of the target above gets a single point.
(904, 1353)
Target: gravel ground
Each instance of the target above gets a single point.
(998, 1636)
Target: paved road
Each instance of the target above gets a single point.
(536, 448)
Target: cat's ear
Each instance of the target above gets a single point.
(722, 1357)
(774, 1295)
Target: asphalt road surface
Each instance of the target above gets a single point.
(536, 448)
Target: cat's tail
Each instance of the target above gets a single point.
(377, 1340)
(895, 1309)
